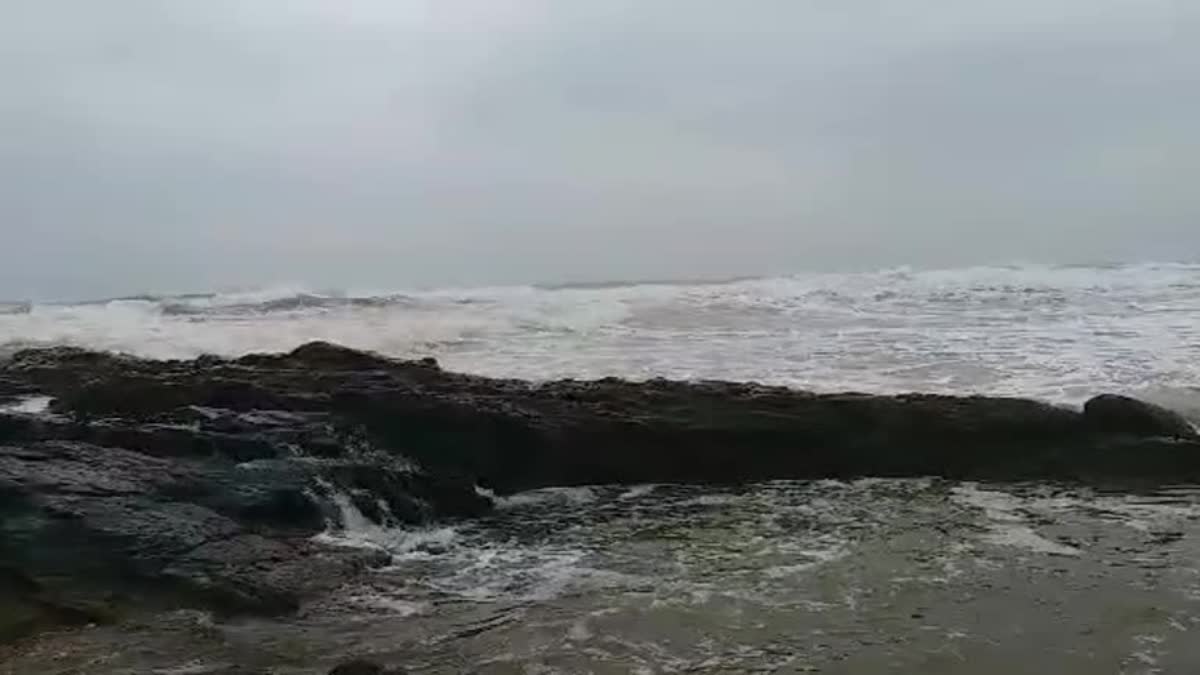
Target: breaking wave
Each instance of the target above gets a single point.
(1060, 333)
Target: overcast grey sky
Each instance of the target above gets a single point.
(188, 144)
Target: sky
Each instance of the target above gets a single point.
(174, 145)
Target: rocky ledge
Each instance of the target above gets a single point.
(206, 483)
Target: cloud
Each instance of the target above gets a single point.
(150, 144)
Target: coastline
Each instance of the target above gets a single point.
(206, 483)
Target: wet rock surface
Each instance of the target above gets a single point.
(203, 483)
(364, 667)
(1121, 414)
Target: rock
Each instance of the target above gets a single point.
(324, 354)
(96, 530)
(1123, 415)
(364, 667)
(202, 483)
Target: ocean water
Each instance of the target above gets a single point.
(923, 577)
(920, 576)
(1060, 333)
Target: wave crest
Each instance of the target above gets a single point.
(213, 305)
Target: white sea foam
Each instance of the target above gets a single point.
(1008, 526)
(30, 405)
(1150, 514)
(391, 605)
(637, 491)
(355, 530)
(816, 557)
(568, 495)
(1057, 333)
(515, 572)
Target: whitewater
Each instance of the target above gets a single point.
(1058, 333)
(870, 576)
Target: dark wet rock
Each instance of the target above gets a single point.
(203, 483)
(88, 531)
(110, 505)
(365, 667)
(1121, 414)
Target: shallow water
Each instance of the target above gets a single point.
(874, 576)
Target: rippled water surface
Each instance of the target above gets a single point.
(917, 576)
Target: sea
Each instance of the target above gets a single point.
(869, 576)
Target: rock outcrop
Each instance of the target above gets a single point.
(204, 482)
(1121, 414)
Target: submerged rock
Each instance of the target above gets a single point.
(364, 667)
(204, 483)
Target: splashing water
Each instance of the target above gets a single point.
(1057, 333)
(872, 576)
(29, 405)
